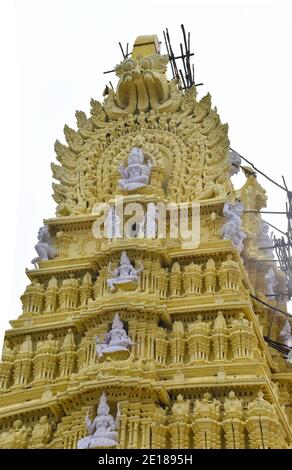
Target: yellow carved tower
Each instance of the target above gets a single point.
(184, 364)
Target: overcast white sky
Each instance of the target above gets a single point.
(53, 54)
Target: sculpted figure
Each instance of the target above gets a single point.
(181, 406)
(235, 162)
(15, 438)
(270, 283)
(42, 431)
(116, 340)
(286, 334)
(44, 247)
(231, 229)
(124, 276)
(137, 173)
(266, 241)
(102, 429)
(232, 406)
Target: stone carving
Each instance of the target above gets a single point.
(220, 337)
(208, 407)
(44, 247)
(229, 275)
(235, 162)
(15, 438)
(102, 429)
(115, 340)
(270, 278)
(42, 432)
(137, 173)
(265, 241)
(124, 276)
(231, 230)
(180, 408)
(233, 406)
(286, 334)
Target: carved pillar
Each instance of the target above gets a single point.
(242, 337)
(45, 359)
(63, 240)
(67, 355)
(32, 299)
(179, 427)
(158, 429)
(210, 277)
(206, 426)
(177, 343)
(232, 424)
(220, 337)
(51, 295)
(229, 275)
(198, 340)
(145, 424)
(85, 290)
(161, 345)
(263, 426)
(23, 363)
(6, 366)
(69, 294)
(175, 281)
(193, 279)
(162, 282)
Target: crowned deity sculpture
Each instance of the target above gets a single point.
(124, 276)
(137, 174)
(115, 340)
(233, 406)
(102, 430)
(44, 247)
(231, 230)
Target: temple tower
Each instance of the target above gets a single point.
(132, 332)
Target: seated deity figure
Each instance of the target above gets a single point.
(44, 247)
(115, 340)
(42, 432)
(232, 406)
(124, 276)
(137, 173)
(231, 229)
(102, 429)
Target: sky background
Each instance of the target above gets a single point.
(53, 54)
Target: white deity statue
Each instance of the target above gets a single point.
(102, 429)
(270, 278)
(231, 229)
(124, 276)
(137, 173)
(235, 162)
(286, 334)
(115, 340)
(112, 224)
(265, 241)
(44, 247)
